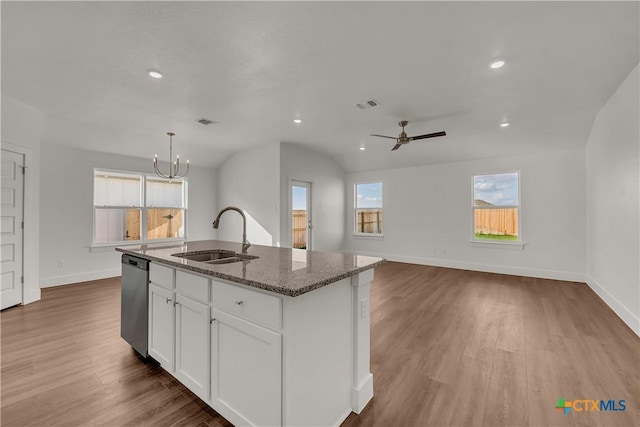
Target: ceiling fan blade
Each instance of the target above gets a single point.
(383, 136)
(396, 147)
(428, 135)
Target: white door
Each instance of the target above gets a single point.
(161, 326)
(301, 215)
(192, 345)
(246, 371)
(11, 228)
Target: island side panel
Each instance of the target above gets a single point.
(318, 356)
(362, 386)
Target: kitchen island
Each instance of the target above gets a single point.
(275, 336)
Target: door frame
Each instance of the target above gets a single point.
(30, 256)
(309, 185)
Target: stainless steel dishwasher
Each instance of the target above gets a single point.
(134, 302)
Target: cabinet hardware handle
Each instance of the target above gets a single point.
(176, 303)
(168, 300)
(212, 320)
(239, 302)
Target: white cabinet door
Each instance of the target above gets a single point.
(192, 345)
(246, 373)
(161, 326)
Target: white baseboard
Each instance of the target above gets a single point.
(487, 268)
(47, 282)
(627, 316)
(362, 395)
(32, 296)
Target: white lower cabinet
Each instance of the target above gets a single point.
(261, 359)
(161, 326)
(246, 371)
(192, 345)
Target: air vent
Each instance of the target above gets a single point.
(204, 121)
(367, 104)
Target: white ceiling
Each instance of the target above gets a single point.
(253, 67)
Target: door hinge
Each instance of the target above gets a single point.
(23, 169)
(22, 225)
(22, 279)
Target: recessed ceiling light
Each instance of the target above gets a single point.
(362, 147)
(497, 64)
(504, 125)
(155, 74)
(297, 121)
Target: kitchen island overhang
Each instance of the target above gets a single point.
(311, 307)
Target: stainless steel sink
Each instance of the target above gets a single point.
(215, 256)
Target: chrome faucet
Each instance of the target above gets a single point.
(216, 224)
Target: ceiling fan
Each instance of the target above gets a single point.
(404, 139)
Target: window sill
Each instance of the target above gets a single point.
(368, 236)
(498, 244)
(137, 245)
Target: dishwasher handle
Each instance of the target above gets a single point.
(132, 261)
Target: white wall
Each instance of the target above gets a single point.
(613, 218)
(427, 217)
(327, 191)
(66, 220)
(21, 130)
(250, 180)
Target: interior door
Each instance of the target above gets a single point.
(11, 228)
(301, 224)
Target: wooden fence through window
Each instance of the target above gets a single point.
(496, 221)
(299, 229)
(161, 223)
(487, 221)
(369, 221)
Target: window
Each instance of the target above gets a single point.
(133, 207)
(368, 208)
(496, 207)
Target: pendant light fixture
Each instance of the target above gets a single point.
(174, 168)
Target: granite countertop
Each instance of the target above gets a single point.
(285, 271)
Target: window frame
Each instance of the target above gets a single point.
(357, 233)
(144, 208)
(518, 242)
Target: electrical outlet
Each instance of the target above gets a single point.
(60, 263)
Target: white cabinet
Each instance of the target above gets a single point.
(246, 371)
(161, 326)
(256, 306)
(259, 358)
(161, 276)
(192, 345)
(179, 333)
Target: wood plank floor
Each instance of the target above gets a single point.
(449, 348)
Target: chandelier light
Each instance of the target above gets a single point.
(174, 168)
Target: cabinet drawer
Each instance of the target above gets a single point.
(192, 286)
(161, 276)
(253, 305)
